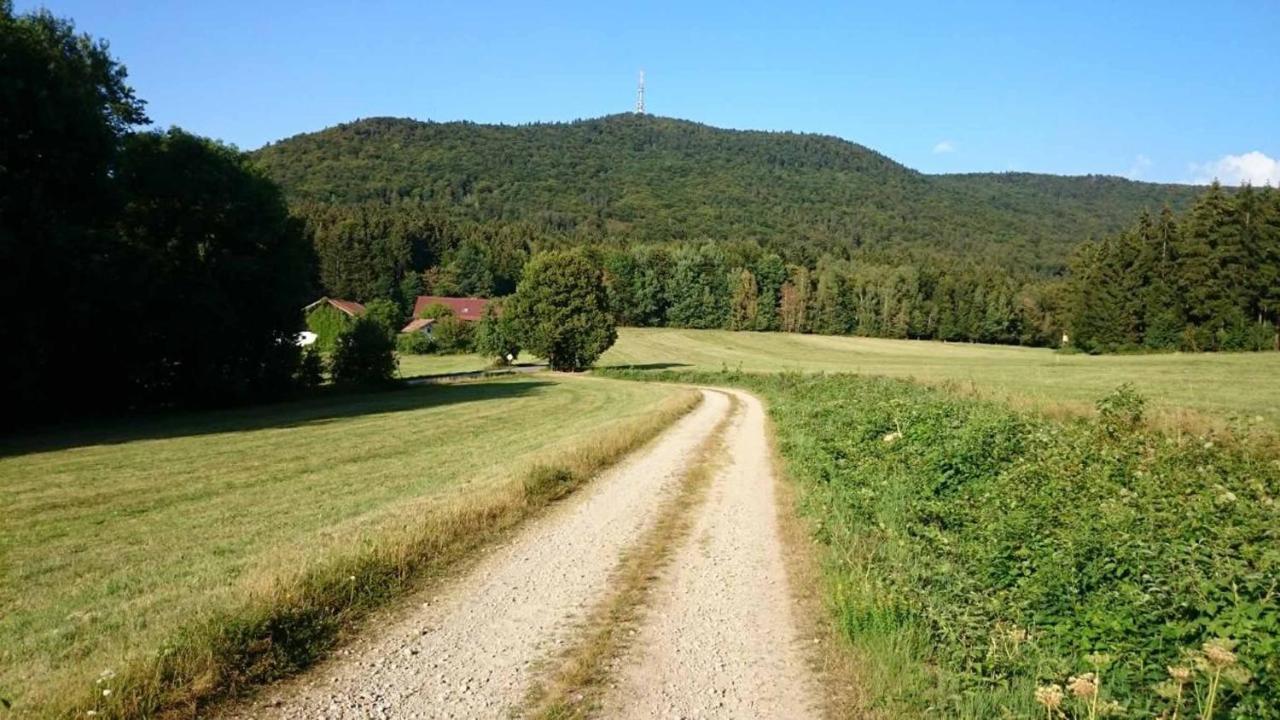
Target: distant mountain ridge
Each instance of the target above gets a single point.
(646, 178)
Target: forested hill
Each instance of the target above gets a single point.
(645, 178)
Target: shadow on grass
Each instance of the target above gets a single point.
(324, 407)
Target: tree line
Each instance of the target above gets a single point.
(141, 268)
(399, 250)
(1202, 280)
(1206, 280)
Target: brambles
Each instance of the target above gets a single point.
(1121, 410)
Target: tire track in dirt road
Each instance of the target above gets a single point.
(470, 651)
(719, 638)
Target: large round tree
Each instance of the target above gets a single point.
(561, 312)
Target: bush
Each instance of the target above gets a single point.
(414, 343)
(310, 373)
(363, 355)
(453, 335)
(436, 311)
(1121, 411)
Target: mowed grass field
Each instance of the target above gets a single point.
(115, 538)
(420, 365)
(1226, 385)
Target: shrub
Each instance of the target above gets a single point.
(436, 311)
(453, 335)
(414, 343)
(386, 314)
(1121, 411)
(310, 373)
(363, 355)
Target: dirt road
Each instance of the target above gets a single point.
(718, 639)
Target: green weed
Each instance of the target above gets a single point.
(975, 553)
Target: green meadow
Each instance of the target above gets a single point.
(1243, 386)
(117, 538)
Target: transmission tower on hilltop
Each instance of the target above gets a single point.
(640, 95)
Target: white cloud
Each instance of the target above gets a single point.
(1254, 168)
(944, 147)
(1139, 167)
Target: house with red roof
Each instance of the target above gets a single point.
(470, 309)
(464, 308)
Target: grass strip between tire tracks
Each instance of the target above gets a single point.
(291, 621)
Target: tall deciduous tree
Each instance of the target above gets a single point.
(561, 310)
(793, 308)
(64, 110)
(220, 271)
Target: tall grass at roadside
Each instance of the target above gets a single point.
(287, 618)
(977, 556)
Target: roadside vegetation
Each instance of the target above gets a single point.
(157, 563)
(1237, 391)
(983, 562)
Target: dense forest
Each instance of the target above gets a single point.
(1205, 280)
(141, 268)
(701, 227)
(1208, 280)
(629, 178)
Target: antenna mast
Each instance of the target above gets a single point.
(640, 95)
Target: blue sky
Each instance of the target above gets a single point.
(1171, 91)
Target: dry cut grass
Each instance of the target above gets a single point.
(153, 568)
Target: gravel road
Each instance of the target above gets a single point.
(718, 639)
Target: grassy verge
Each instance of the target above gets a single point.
(974, 553)
(160, 566)
(1235, 389)
(576, 679)
(838, 669)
